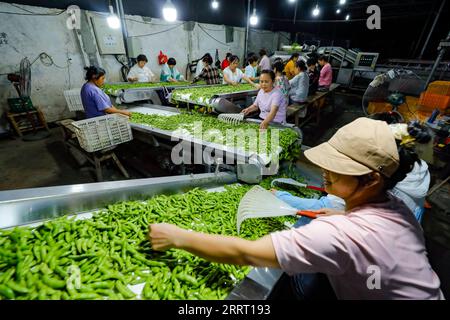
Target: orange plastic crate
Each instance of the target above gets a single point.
(434, 101)
(439, 87)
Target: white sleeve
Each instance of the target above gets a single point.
(132, 73)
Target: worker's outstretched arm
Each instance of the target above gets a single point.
(222, 249)
(115, 110)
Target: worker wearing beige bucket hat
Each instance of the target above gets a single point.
(375, 250)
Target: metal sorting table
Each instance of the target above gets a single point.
(130, 95)
(31, 207)
(186, 98)
(239, 155)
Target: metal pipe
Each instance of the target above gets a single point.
(432, 29)
(295, 12)
(247, 31)
(438, 62)
(119, 8)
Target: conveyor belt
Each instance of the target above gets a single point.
(231, 152)
(31, 207)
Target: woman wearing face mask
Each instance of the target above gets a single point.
(377, 232)
(95, 102)
(270, 101)
(233, 75)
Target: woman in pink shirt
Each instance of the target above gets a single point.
(375, 250)
(270, 101)
(326, 74)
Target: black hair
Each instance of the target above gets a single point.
(262, 52)
(270, 73)
(234, 58)
(408, 157)
(278, 66)
(208, 59)
(171, 62)
(229, 54)
(311, 62)
(141, 57)
(294, 55)
(206, 55)
(301, 65)
(323, 58)
(252, 59)
(94, 73)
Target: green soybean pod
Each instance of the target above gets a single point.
(7, 292)
(53, 283)
(17, 287)
(124, 290)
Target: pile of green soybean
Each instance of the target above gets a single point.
(103, 256)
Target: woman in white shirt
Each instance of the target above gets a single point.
(233, 75)
(140, 72)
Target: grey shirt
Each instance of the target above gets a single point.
(299, 87)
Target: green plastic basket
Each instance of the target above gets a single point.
(18, 105)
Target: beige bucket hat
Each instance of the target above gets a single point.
(363, 146)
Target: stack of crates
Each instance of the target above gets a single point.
(20, 105)
(437, 96)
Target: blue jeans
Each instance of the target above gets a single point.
(311, 286)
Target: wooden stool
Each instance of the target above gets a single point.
(27, 121)
(95, 158)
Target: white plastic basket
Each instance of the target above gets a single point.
(73, 99)
(99, 133)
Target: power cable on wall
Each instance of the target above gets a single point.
(159, 32)
(223, 43)
(31, 13)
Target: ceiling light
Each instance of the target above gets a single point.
(347, 17)
(113, 19)
(254, 18)
(342, 2)
(292, 1)
(169, 11)
(215, 5)
(338, 11)
(316, 11)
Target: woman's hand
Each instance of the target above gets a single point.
(164, 236)
(247, 111)
(257, 86)
(264, 125)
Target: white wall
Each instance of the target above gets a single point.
(28, 36)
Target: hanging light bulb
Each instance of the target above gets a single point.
(113, 20)
(338, 11)
(254, 18)
(292, 1)
(341, 2)
(215, 5)
(169, 11)
(347, 17)
(316, 11)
